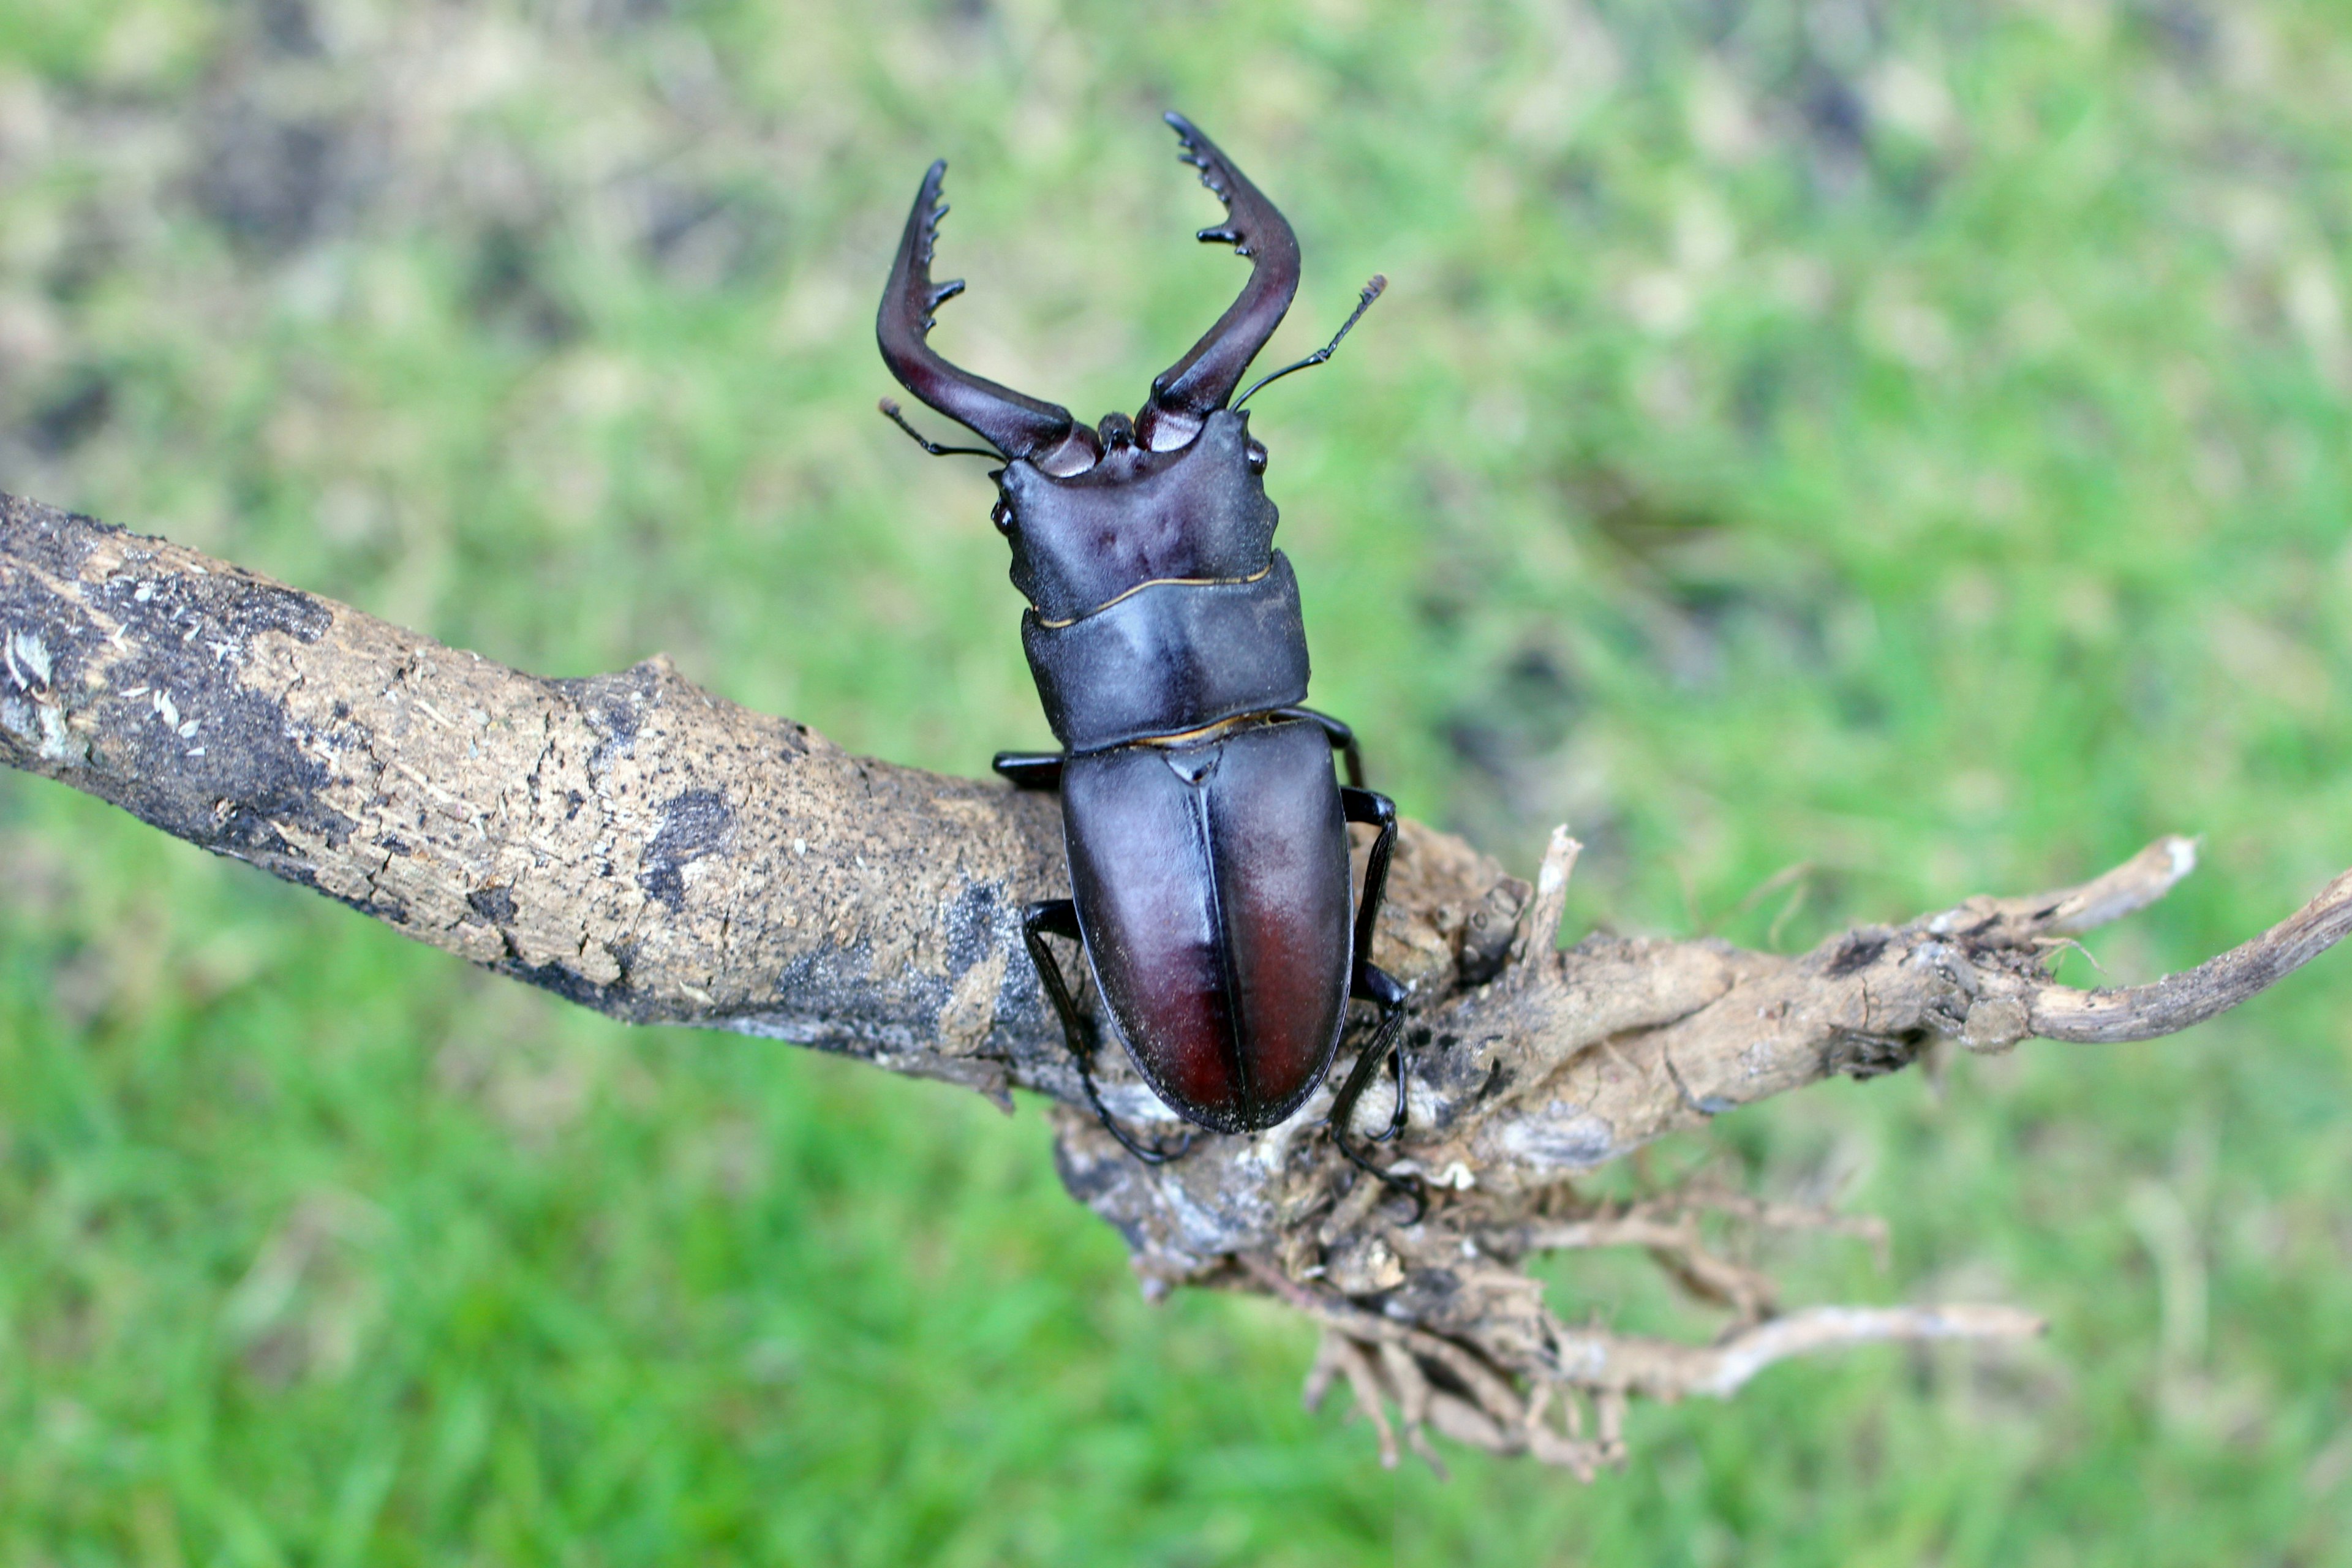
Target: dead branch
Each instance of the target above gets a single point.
(639, 846)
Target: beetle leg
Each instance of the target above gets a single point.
(1384, 1047)
(1032, 770)
(1059, 917)
(1372, 984)
(1378, 987)
(1343, 741)
(1379, 811)
(1381, 987)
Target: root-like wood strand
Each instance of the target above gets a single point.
(642, 847)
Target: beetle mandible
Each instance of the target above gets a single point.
(1206, 830)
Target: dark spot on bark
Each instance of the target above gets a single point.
(572, 986)
(1859, 1056)
(694, 824)
(978, 924)
(495, 905)
(392, 911)
(190, 615)
(397, 845)
(343, 709)
(614, 706)
(194, 755)
(573, 801)
(1860, 951)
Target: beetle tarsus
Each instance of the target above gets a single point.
(1059, 917)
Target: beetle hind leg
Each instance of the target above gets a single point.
(1059, 917)
(1385, 1048)
(1372, 984)
(1342, 739)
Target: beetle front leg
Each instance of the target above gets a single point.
(1034, 770)
(1059, 917)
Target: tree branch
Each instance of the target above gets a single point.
(639, 846)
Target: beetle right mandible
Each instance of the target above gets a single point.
(1207, 833)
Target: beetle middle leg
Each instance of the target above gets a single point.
(1059, 917)
(1372, 984)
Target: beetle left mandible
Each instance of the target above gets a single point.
(1207, 833)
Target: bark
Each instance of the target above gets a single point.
(641, 847)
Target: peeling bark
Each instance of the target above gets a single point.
(641, 847)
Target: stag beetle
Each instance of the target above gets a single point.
(1206, 831)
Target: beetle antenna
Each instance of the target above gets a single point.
(890, 412)
(1372, 292)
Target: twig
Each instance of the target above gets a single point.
(2178, 1001)
(1723, 1369)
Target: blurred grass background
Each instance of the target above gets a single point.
(1904, 442)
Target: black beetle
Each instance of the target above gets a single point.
(1207, 833)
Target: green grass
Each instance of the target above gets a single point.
(1905, 441)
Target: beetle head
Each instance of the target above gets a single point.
(1026, 429)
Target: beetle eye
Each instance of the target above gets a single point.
(1001, 515)
(1253, 454)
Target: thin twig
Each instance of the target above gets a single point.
(2174, 1002)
